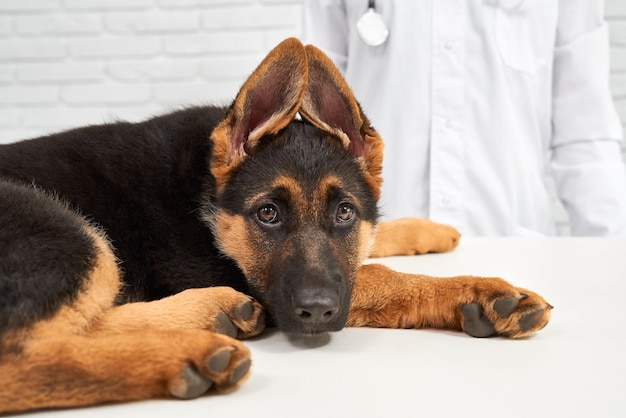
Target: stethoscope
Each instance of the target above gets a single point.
(371, 27)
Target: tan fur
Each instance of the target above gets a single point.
(234, 240)
(189, 309)
(367, 234)
(385, 298)
(323, 188)
(289, 57)
(297, 196)
(89, 352)
(98, 294)
(322, 69)
(320, 66)
(409, 236)
(74, 370)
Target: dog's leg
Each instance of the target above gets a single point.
(481, 307)
(57, 272)
(58, 362)
(219, 309)
(59, 278)
(83, 370)
(409, 236)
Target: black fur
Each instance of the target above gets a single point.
(143, 183)
(45, 254)
(149, 187)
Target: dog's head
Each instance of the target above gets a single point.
(295, 200)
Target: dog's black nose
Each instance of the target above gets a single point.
(316, 306)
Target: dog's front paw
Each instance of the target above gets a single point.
(220, 366)
(219, 309)
(241, 317)
(501, 309)
(225, 311)
(409, 236)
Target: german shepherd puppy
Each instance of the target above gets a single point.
(132, 255)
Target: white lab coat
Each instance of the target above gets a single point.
(473, 99)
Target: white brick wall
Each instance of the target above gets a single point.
(133, 58)
(72, 62)
(65, 63)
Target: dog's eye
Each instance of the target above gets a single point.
(345, 213)
(267, 214)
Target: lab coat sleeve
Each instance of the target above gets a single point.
(325, 25)
(586, 161)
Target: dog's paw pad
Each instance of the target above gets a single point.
(240, 371)
(475, 323)
(223, 325)
(531, 320)
(190, 384)
(248, 317)
(220, 361)
(504, 307)
(501, 309)
(244, 311)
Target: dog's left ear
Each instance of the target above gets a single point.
(266, 103)
(330, 105)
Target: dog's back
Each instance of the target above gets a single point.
(133, 180)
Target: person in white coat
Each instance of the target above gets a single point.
(479, 102)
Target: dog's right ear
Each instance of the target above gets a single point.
(266, 103)
(330, 105)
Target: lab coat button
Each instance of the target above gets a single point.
(448, 45)
(445, 201)
(447, 123)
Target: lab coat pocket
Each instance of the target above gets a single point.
(525, 33)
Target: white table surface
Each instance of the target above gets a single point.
(575, 367)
